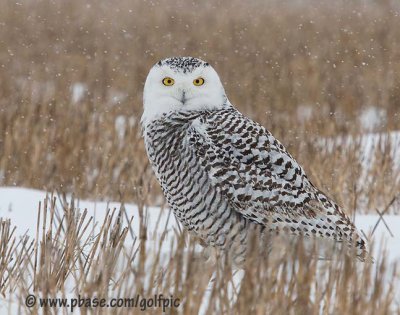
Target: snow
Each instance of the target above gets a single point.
(78, 91)
(382, 237)
(372, 117)
(115, 96)
(371, 147)
(368, 144)
(120, 127)
(20, 205)
(304, 112)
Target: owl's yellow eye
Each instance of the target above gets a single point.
(198, 81)
(168, 81)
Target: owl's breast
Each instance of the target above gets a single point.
(197, 203)
(173, 161)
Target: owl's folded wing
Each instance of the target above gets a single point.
(263, 182)
(251, 168)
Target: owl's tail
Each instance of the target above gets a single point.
(346, 231)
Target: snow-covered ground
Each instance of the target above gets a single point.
(369, 144)
(21, 206)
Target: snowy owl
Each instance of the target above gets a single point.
(224, 174)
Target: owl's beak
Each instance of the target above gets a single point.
(183, 98)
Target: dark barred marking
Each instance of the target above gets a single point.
(223, 175)
(183, 64)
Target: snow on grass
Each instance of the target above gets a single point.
(373, 117)
(376, 153)
(18, 204)
(21, 206)
(384, 236)
(369, 144)
(78, 91)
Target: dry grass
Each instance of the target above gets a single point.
(278, 60)
(304, 69)
(68, 257)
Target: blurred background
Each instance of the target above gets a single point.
(312, 72)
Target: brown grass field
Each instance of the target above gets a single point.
(71, 81)
(114, 263)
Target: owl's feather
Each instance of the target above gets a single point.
(246, 167)
(225, 175)
(262, 181)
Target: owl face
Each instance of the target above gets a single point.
(181, 84)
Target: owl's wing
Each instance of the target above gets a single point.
(249, 166)
(260, 179)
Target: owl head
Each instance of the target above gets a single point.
(181, 84)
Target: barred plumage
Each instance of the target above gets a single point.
(224, 174)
